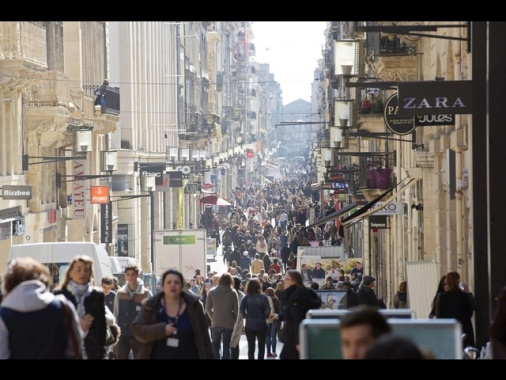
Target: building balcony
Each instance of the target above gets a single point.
(23, 45)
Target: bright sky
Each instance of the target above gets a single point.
(292, 49)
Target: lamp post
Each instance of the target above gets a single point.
(109, 164)
(148, 184)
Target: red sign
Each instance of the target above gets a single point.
(250, 153)
(207, 186)
(51, 215)
(100, 194)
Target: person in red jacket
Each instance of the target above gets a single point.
(275, 265)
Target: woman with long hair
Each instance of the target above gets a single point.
(89, 300)
(401, 297)
(296, 300)
(279, 288)
(239, 323)
(203, 297)
(172, 323)
(255, 309)
(441, 287)
(273, 325)
(459, 304)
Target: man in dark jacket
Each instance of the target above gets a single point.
(235, 255)
(366, 295)
(351, 297)
(285, 252)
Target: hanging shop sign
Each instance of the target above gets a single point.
(435, 97)
(153, 169)
(106, 223)
(99, 194)
(400, 125)
(16, 192)
(378, 221)
(392, 208)
(430, 120)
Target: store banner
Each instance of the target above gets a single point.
(435, 97)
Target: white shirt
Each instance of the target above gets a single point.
(334, 274)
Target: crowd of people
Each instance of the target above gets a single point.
(260, 294)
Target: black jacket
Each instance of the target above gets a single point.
(459, 305)
(351, 298)
(366, 296)
(94, 304)
(296, 303)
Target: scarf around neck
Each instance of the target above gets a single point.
(80, 292)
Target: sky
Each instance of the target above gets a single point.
(292, 49)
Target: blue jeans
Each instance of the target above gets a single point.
(271, 339)
(217, 334)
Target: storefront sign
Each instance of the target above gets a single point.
(435, 97)
(429, 120)
(16, 192)
(378, 221)
(153, 169)
(392, 208)
(175, 179)
(400, 125)
(78, 190)
(106, 223)
(99, 194)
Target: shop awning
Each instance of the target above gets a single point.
(365, 211)
(336, 214)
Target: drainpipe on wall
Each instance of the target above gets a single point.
(458, 211)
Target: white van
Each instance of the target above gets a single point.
(125, 261)
(57, 257)
(115, 265)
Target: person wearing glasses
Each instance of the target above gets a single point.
(296, 300)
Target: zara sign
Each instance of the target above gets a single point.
(435, 97)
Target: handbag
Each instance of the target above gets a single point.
(112, 335)
(283, 332)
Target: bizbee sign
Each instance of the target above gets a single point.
(16, 192)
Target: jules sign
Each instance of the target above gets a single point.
(435, 97)
(426, 120)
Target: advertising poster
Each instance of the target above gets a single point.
(326, 264)
(122, 240)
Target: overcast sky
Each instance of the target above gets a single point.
(292, 49)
